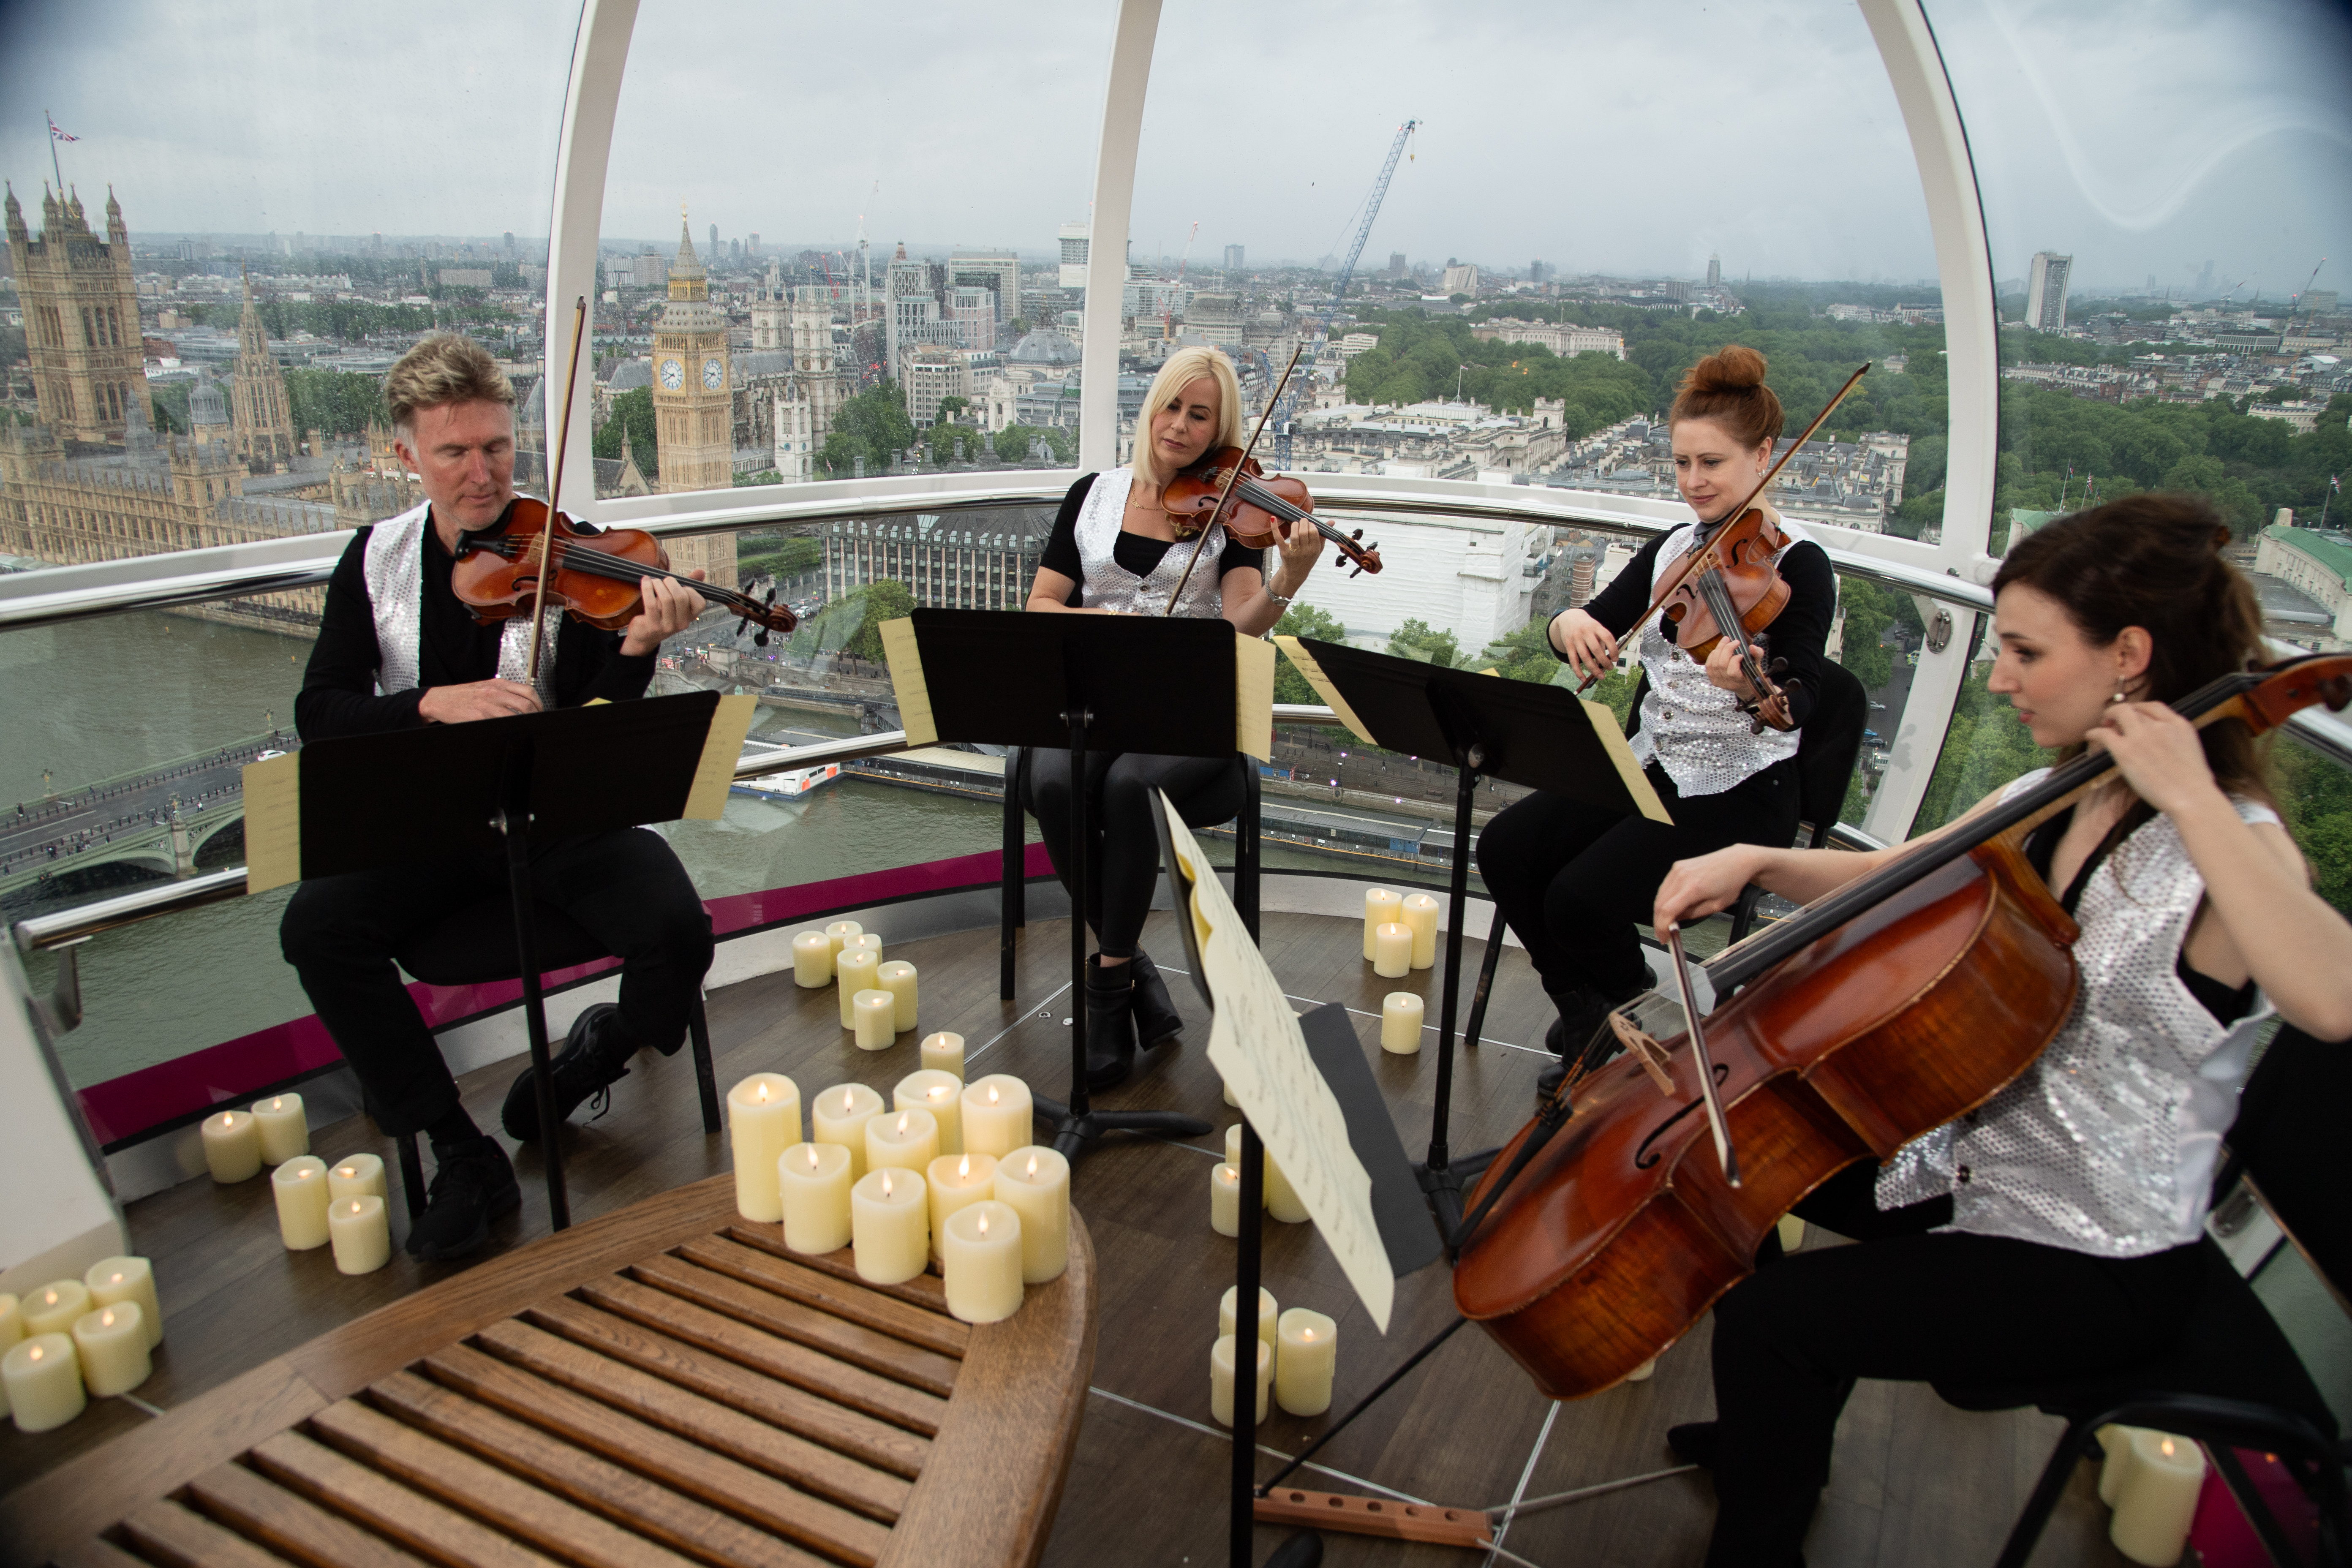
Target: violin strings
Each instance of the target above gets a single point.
(618, 569)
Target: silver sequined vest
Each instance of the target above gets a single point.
(394, 568)
(2107, 1143)
(1111, 586)
(1692, 727)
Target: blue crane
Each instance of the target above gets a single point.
(1282, 414)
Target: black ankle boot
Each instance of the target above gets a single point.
(595, 1057)
(1110, 1023)
(1583, 1013)
(1155, 1018)
(1694, 1443)
(473, 1184)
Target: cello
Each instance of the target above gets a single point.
(1596, 1240)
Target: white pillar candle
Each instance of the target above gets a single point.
(864, 941)
(52, 1308)
(360, 1176)
(979, 1261)
(812, 960)
(840, 1115)
(1392, 951)
(907, 1140)
(1035, 1183)
(2157, 1500)
(1381, 905)
(1401, 1014)
(943, 1052)
(763, 1119)
(361, 1233)
(11, 1330)
(112, 1344)
(957, 1181)
(1303, 1365)
(1420, 918)
(1228, 1090)
(232, 1146)
(897, 977)
(2114, 1441)
(941, 1094)
(1267, 1314)
(43, 1377)
(854, 972)
(839, 932)
(997, 1114)
(1225, 1200)
(889, 1225)
(872, 1011)
(1221, 1380)
(300, 1186)
(1275, 1195)
(813, 1181)
(1642, 1372)
(1791, 1232)
(1233, 1158)
(285, 1130)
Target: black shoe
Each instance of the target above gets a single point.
(1583, 1013)
(595, 1057)
(1155, 1018)
(1694, 1443)
(472, 1184)
(1110, 1023)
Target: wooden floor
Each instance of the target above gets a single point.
(1915, 1482)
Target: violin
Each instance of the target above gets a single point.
(1875, 1015)
(1728, 579)
(590, 574)
(1257, 509)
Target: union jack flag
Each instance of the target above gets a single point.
(58, 134)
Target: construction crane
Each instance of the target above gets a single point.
(1283, 410)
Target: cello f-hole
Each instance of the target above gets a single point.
(1642, 1158)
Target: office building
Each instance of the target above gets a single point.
(2046, 292)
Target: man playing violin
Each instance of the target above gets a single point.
(1115, 551)
(396, 649)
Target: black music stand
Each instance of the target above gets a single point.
(1114, 683)
(488, 787)
(1517, 731)
(1397, 1202)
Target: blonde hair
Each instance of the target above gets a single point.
(1183, 367)
(448, 367)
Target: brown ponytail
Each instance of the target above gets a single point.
(1728, 388)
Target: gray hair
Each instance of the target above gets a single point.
(448, 367)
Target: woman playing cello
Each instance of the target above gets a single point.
(2083, 1186)
(1571, 878)
(1114, 551)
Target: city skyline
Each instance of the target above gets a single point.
(2144, 164)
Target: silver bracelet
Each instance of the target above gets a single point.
(1282, 600)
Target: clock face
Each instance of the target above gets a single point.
(672, 374)
(713, 373)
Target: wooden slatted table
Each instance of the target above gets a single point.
(667, 1386)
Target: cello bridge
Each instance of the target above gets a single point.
(1644, 1049)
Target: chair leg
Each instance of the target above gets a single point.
(1743, 914)
(2035, 1518)
(411, 1176)
(1486, 980)
(1013, 888)
(1245, 853)
(697, 1028)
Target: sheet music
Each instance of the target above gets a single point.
(1621, 752)
(906, 683)
(273, 822)
(722, 748)
(1323, 688)
(1253, 696)
(1256, 1044)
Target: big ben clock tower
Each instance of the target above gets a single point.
(693, 408)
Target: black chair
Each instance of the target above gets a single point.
(1014, 883)
(475, 946)
(2231, 1381)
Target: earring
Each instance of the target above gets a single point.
(2119, 696)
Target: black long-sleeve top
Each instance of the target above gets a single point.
(1800, 634)
(338, 696)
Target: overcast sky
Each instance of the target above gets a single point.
(2144, 137)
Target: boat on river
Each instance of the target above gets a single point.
(788, 783)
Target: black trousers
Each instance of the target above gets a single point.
(1123, 860)
(626, 888)
(1572, 879)
(1902, 1304)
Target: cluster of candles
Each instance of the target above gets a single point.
(1298, 1352)
(317, 1206)
(2152, 1480)
(1400, 931)
(74, 1338)
(1278, 1198)
(877, 999)
(944, 1175)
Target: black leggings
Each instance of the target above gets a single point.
(1903, 1305)
(1572, 879)
(1123, 860)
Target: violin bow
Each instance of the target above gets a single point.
(1234, 476)
(554, 492)
(1691, 559)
